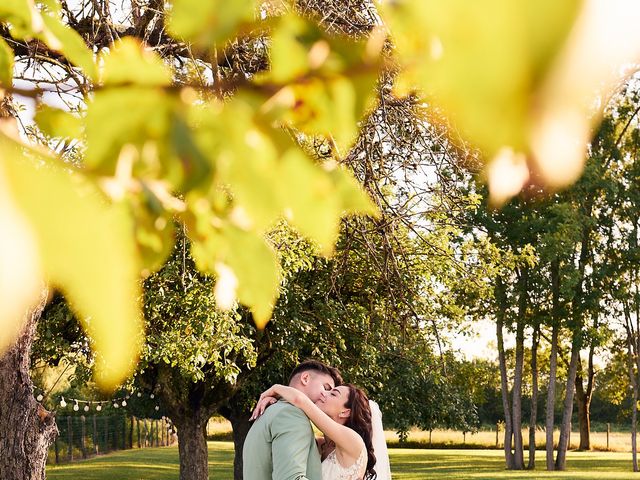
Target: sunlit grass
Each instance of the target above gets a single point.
(220, 429)
(489, 464)
(618, 441)
(407, 464)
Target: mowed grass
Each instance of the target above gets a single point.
(406, 464)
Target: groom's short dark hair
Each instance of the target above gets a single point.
(317, 366)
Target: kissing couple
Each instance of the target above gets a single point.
(281, 444)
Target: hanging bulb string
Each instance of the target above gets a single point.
(77, 402)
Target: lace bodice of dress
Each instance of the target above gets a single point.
(332, 470)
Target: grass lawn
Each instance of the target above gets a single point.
(162, 464)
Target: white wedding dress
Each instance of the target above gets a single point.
(332, 470)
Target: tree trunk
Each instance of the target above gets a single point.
(504, 382)
(27, 428)
(634, 433)
(533, 418)
(563, 442)
(192, 447)
(240, 425)
(583, 401)
(632, 349)
(553, 364)
(518, 447)
(584, 396)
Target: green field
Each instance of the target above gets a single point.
(162, 464)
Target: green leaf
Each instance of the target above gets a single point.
(58, 123)
(211, 22)
(6, 64)
(71, 45)
(87, 251)
(129, 63)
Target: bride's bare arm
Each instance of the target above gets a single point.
(345, 438)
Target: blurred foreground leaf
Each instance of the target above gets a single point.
(6, 65)
(87, 251)
(210, 22)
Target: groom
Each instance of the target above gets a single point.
(281, 444)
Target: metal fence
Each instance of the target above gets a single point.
(85, 436)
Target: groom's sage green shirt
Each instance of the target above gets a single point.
(281, 446)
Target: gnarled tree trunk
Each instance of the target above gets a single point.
(27, 429)
(192, 446)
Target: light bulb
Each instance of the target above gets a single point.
(115, 405)
(124, 403)
(63, 403)
(86, 408)
(152, 396)
(138, 394)
(99, 408)
(39, 397)
(76, 407)
(157, 408)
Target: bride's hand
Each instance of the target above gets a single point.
(268, 397)
(262, 405)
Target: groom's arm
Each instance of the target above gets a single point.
(292, 439)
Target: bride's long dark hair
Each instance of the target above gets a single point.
(360, 421)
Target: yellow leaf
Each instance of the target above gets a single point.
(6, 65)
(208, 22)
(481, 61)
(18, 13)
(70, 44)
(20, 270)
(255, 266)
(58, 123)
(311, 201)
(88, 252)
(130, 63)
(147, 118)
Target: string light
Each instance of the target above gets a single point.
(86, 405)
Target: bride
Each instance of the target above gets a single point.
(353, 440)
